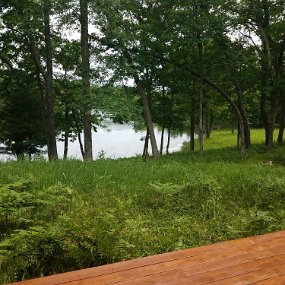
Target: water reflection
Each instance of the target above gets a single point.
(117, 141)
(114, 141)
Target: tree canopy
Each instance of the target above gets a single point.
(194, 65)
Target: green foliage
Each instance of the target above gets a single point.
(161, 43)
(68, 215)
(119, 104)
(21, 118)
(11, 201)
(48, 249)
(38, 237)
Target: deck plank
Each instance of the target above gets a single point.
(203, 261)
(255, 276)
(245, 261)
(278, 280)
(214, 271)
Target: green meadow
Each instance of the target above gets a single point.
(66, 215)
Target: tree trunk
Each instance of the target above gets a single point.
(268, 94)
(65, 145)
(78, 131)
(238, 134)
(80, 144)
(50, 120)
(145, 148)
(42, 92)
(240, 105)
(66, 135)
(168, 140)
(163, 128)
(280, 71)
(20, 156)
(268, 119)
(201, 120)
(270, 138)
(209, 125)
(161, 141)
(192, 126)
(282, 120)
(247, 136)
(87, 118)
(201, 91)
(148, 118)
(275, 91)
(66, 117)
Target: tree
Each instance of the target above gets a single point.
(85, 55)
(48, 79)
(21, 114)
(68, 91)
(29, 23)
(265, 19)
(120, 36)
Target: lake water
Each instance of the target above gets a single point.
(117, 141)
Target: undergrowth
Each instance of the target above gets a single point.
(66, 215)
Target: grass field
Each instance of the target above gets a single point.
(65, 215)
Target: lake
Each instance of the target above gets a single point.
(116, 141)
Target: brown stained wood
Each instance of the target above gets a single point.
(244, 261)
(279, 280)
(233, 271)
(216, 270)
(201, 260)
(255, 276)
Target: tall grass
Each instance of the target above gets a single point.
(73, 214)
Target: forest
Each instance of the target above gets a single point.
(189, 66)
(212, 69)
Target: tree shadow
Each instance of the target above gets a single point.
(256, 154)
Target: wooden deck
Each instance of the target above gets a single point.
(254, 260)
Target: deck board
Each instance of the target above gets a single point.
(253, 260)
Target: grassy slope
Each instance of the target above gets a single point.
(128, 208)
